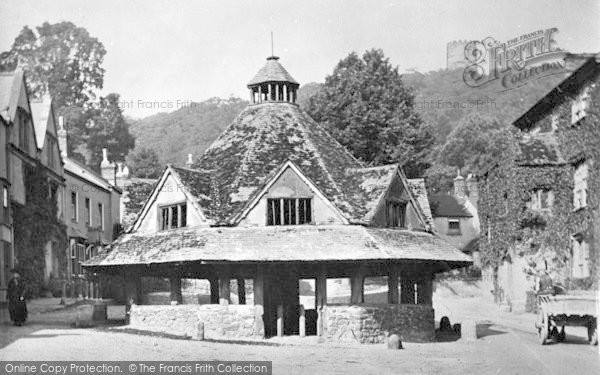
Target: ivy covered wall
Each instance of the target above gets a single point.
(510, 228)
(35, 224)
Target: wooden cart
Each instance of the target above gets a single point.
(558, 311)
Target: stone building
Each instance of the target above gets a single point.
(455, 216)
(275, 200)
(91, 207)
(539, 207)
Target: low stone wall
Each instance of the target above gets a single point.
(367, 323)
(220, 321)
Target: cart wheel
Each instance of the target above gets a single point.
(562, 335)
(593, 333)
(543, 328)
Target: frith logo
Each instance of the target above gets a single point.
(513, 63)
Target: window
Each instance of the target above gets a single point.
(23, 130)
(453, 227)
(51, 145)
(88, 212)
(396, 214)
(5, 263)
(174, 216)
(289, 211)
(580, 258)
(579, 106)
(78, 251)
(74, 215)
(5, 206)
(101, 215)
(542, 199)
(580, 190)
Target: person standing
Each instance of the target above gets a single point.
(16, 299)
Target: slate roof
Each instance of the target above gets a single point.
(445, 205)
(278, 244)
(539, 149)
(235, 168)
(272, 71)
(87, 174)
(417, 186)
(10, 84)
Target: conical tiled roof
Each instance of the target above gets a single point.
(273, 71)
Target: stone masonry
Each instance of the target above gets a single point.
(373, 323)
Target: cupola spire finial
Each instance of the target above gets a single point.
(272, 49)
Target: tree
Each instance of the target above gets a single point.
(60, 59)
(106, 128)
(144, 163)
(365, 105)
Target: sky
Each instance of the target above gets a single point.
(163, 54)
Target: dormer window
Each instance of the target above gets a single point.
(579, 106)
(396, 214)
(454, 227)
(289, 211)
(173, 216)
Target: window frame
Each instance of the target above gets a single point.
(300, 211)
(454, 231)
(5, 204)
(580, 257)
(74, 206)
(168, 208)
(580, 186)
(101, 214)
(88, 211)
(398, 207)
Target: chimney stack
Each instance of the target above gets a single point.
(107, 169)
(459, 186)
(189, 161)
(62, 137)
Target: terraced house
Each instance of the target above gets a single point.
(539, 210)
(275, 200)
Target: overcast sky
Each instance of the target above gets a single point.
(193, 50)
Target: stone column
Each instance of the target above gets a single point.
(276, 92)
(241, 285)
(224, 292)
(259, 94)
(357, 286)
(425, 291)
(407, 290)
(214, 290)
(285, 93)
(176, 296)
(321, 300)
(259, 301)
(269, 97)
(393, 285)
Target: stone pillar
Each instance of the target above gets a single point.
(302, 322)
(252, 96)
(357, 294)
(259, 301)
(224, 292)
(176, 296)
(259, 94)
(279, 320)
(321, 300)
(276, 92)
(269, 96)
(425, 291)
(393, 286)
(286, 95)
(214, 290)
(241, 285)
(407, 291)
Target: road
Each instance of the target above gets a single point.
(499, 350)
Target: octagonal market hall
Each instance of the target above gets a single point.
(279, 210)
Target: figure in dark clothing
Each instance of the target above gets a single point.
(546, 285)
(16, 299)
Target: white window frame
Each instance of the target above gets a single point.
(454, 232)
(580, 260)
(169, 207)
(89, 211)
(580, 187)
(537, 199)
(101, 212)
(76, 208)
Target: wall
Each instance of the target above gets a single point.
(220, 321)
(468, 231)
(290, 185)
(398, 193)
(373, 323)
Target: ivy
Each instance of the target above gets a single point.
(507, 225)
(35, 224)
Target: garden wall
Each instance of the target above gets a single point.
(373, 323)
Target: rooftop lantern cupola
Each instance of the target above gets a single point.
(273, 83)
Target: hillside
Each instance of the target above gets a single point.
(188, 130)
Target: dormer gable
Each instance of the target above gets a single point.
(170, 205)
(290, 198)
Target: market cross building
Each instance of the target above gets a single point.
(274, 200)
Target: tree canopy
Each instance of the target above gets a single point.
(143, 163)
(366, 106)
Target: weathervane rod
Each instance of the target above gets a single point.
(272, 53)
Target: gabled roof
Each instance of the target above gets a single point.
(41, 112)
(87, 174)
(272, 71)
(306, 243)
(419, 191)
(10, 88)
(445, 205)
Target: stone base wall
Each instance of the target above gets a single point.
(367, 323)
(220, 321)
